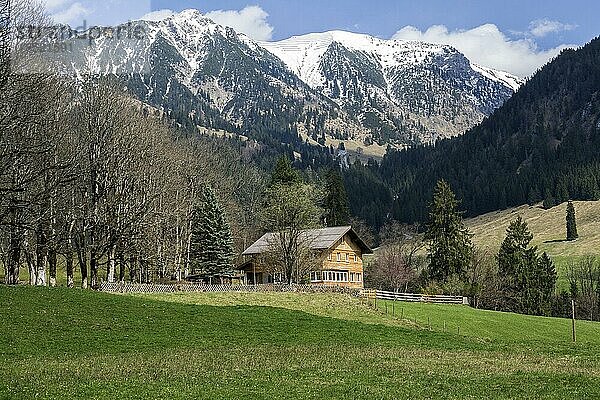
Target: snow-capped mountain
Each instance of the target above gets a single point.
(206, 75)
(321, 86)
(424, 90)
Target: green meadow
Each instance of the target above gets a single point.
(59, 343)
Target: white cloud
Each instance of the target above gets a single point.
(486, 45)
(252, 21)
(158, 15)
(543, 27)
(72, 14)
(53, 5)
(66, 11)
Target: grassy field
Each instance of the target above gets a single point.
(547, 226)
(549, 230)
(80, 344)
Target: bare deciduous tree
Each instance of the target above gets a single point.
(291, 209)
(398, 262)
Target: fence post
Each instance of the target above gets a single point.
(573, 320)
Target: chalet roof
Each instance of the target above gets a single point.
(319, 239)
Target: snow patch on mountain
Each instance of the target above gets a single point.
(302, 54)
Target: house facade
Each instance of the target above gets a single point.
(340, 252)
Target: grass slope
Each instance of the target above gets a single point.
(547, 226)
(549, 230)
(481, 324)
(81, 344)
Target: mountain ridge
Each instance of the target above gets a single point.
(207, 75)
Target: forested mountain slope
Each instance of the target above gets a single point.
(543, 144)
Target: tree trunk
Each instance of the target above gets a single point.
(69, 256)
(41, 256)
(82, 259)
(52, 251)
(121, 267)
(93, 269)
(31, 265)
(188, 249)
(42, 261)
(32, 272)
(110, 271)
(69, 265)
(12, 269)
(134, 271)
(52, 262)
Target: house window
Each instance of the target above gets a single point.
(355, 258)
(333, 276)
(347, 257)
(339, 257)
(315, 276)
(329, 257)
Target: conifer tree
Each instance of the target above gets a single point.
(336, 200)
(514, 259)
(571, 222)
(211, 249)
(450, 249)
(547, 278)
(549, 200)
(528, 281)
(284, 172)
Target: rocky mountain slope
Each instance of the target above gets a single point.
(402, 90)
(320, 87)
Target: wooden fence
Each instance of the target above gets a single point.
(420, 298)
(203, 288)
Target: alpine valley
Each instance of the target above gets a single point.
(319, 88)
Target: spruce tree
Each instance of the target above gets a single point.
(571, 222)
(336, 200)
(211, 251)
(528, 281)
(547, 278)
(549, 200)
(284, 172)
(450, 249)
(515, 258)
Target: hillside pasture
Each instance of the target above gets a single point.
(547, 226)
(62, 343)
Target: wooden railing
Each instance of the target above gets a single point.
(416, 298)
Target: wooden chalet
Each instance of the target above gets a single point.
(340, 250)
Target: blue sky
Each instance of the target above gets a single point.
(517, 36)
(384, 17)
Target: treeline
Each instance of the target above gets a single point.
(540, 146)
(514, 278)
(94, 177)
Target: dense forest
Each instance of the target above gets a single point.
(542, 145)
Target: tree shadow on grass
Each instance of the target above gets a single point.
(558, 241)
